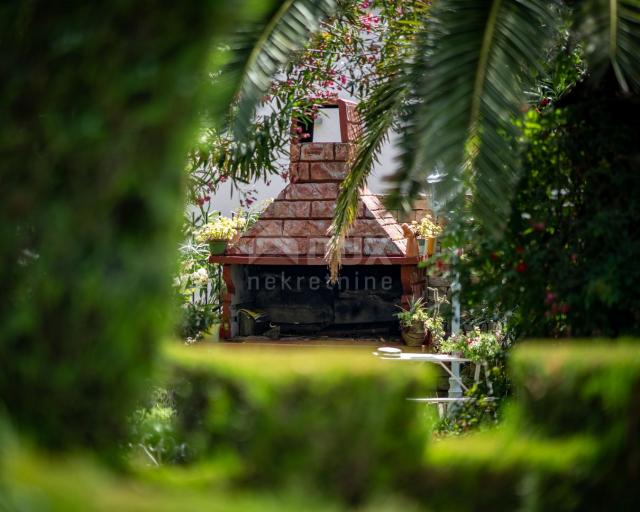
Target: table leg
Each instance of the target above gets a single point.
(455, 390)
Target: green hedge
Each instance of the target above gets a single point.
(333, 420)
(96, 104)
(570, 441)
(581, 386)
(31, 481)
(311, 429)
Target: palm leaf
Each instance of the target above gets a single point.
(611, 31)
(378, 115)
(260, 50)
(481, 56)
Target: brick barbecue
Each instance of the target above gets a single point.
(288, 244)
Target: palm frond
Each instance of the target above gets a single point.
(378, 115)
(611, 30)
(260, 50)
(480, 57)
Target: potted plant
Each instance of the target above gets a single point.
(219, 232)
(427, 230)
(418, 323)
(412, 322)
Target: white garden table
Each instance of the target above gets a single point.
(456, 386)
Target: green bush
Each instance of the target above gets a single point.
(578, 387)
(31, 481)
(336, 421)
(566, 265)
(96, 105)
(570, 440)
(302, 427)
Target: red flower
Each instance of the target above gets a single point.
(564, 308)
(538, 226)
(574, 258)
(519, 250)
(550, 298)
(440, 265)
(521, 267)
(493, 256)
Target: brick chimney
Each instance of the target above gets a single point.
(295, 225)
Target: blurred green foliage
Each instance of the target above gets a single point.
(96, 106)
(566, 265)
(570, 440)
(303, 429)
(337, 421)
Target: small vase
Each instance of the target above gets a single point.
(413, 336)
(217, 247)
(422, 246)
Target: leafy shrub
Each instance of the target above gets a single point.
(337, 422)
(568, 442)
(153, 435)
(96, 107)
(32, 481)
(566, 264)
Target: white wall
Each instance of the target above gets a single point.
(326, 129)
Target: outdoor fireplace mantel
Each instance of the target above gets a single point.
(293, 260)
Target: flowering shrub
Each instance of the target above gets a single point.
(475, 345)
(435, 326)
(426, 227)
(222, 228)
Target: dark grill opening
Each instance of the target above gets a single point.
(300, 300)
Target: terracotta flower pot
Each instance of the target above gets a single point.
(413, 336)
(217, 246)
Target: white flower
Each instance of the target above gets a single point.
(200, 277)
